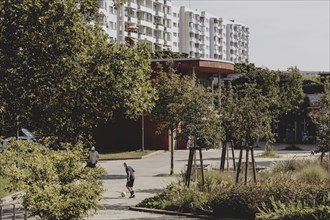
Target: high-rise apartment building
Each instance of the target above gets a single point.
(179, 29)
(237, 42)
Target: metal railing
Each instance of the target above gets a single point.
(11, 212)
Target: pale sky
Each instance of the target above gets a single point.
(283, 33)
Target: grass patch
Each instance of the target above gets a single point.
(269, 155)
(125, 155)
(168, 175)
(4, 182)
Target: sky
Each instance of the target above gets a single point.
(283, 33)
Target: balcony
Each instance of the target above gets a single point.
(192, 30)
(131, 5)
(159, 41)
(158, 1)
(131, 20)
(132, 35)
(168, 43)
(159, 27)
(168, 3)
(159, 13)
(145, 23)
(143, 8)
(167, 29)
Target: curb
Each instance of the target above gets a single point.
(153, 153)
(135, 158)
(127, 158)
(166, 212)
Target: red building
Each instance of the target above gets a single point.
(127, 134)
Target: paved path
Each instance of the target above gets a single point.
(147, 184)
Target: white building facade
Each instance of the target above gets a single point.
(179, 29)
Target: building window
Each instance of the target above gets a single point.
(112, 10)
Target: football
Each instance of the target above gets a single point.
(123, 194)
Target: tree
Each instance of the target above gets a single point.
(283, 89)
(54, 184)
(246, 118)
(322, 120)
(168, 54)
(61, 76)
(245, 113)
(291, 95)
(186, 105)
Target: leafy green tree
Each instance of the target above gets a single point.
(282, 89)
(322, 120)
(291, 95)
(54, 184)
(61, 76)
(186, 105)
(168, 54)
(246, 115)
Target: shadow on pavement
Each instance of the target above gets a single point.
(113, 207)
(149, 190)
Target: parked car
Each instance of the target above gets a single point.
(27, 135)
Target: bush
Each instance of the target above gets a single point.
(292, 165)
(54, 184)
(222, 198)
(215, 178)
(313, 172)
(293, 211)
(242, 201)
(177, 197)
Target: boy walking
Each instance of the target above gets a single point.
(130, 179)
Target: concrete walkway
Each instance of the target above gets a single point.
(148, 184)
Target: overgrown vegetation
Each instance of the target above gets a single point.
(4, 183)
(301, 194)
(54, 184)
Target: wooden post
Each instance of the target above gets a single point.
(195, 165)
(189, 167)
(172, 154)
(233, 154)
(239, 164)
(223, 156)
(227, 146)
(142, 130)
(1, 212)
(246, 165)
(14, 212)
(253, 165)
(202, 166)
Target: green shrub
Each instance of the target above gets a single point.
(313, 172)
(242, 201)
(177, 197)
(292, 165)
(228, 200)
(214, 179)
(293, 211)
